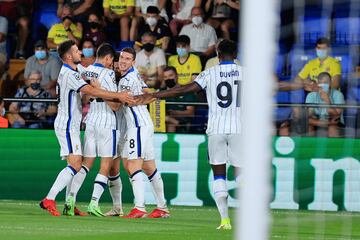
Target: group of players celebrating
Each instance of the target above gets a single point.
(119, 127)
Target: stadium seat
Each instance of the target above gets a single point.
(347, 30)
(48, 18)
(298, 57)
(312, 28)
(282, 114)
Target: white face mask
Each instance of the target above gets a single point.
(197, 20)
(151, 21)
(3, 112)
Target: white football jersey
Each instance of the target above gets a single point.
(100, 114)
(69, 108)
(136, 116)
(222, 84)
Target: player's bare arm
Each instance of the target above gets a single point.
(96, 92)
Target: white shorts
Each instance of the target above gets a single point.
(224, 148)
(100, 142)
(121, 149)
(140, 143)
(70, 142)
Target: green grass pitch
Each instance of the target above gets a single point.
(25, 220)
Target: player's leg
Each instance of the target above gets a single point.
(157, 185)
(154, 176)
(106, 147)
(115, 189)
(70, 146)
(134, 167)
(217, 147)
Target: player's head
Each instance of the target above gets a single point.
(126, 59)
(69, 52)
(182, 45)
(227, 50)
(105, 54)
(148, 41)
(322, 47)
(170, 76)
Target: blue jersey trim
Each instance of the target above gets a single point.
(101, 184)
(68, 138)
(217, 177)
(98, 65)
(135, 117)
(69, 67)
(226, 62)
(78, 90)
(113, 178)
(72, 169)
(139, 142)
(114, 142)
(152, 175)
(130, 70)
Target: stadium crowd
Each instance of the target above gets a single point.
(174, 40)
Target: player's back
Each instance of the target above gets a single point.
(223, 90)
(100, 114)
(69, 107)
(136, 116)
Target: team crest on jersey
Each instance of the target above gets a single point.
(77, 76)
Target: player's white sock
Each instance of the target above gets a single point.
(99, 186)
(115, 188)
(138, 186)
(63, 178)
(221, 195)
(158, 189)
(77, 181)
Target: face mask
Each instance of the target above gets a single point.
(325, 87)
(181, 52)
(67, 17)
(88, 52)
(321, 53)
(35, 86)
(94, 25)
(170, 83)
(3, 112)
(197, 20)
(40, 54)
(148, 47)
(151, 21)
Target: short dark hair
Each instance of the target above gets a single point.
(149, 34)
(324, 75)
(64, 47)
(152, 10)
(129, 50)
(183, 39)
(104, 50)
(170, 68)
(323, 40)
(227, 48)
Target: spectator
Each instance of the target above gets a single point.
(119, 14)
(202, 36)
(310, 72)
(140, 14)
(48, 65)
(150, 61)
(30, 114)
(178, 117)
(215, 60)
(81, 8)
(156, 25)
(18, 13)
(94, 30)
(4, 123)
(186, 64)
(88, 51)
(182, 11)
(329, 119)
(3, 35)
(65, 30)
(221, 15)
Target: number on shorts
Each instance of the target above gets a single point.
(132, 143)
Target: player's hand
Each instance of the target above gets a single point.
(311, 87)
(126, 98)
(95, 83)
(144, 99)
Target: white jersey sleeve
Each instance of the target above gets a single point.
(202, 79)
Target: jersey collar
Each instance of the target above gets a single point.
(129, 71)
(69, 67)
(227, 62)
(98, 65)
